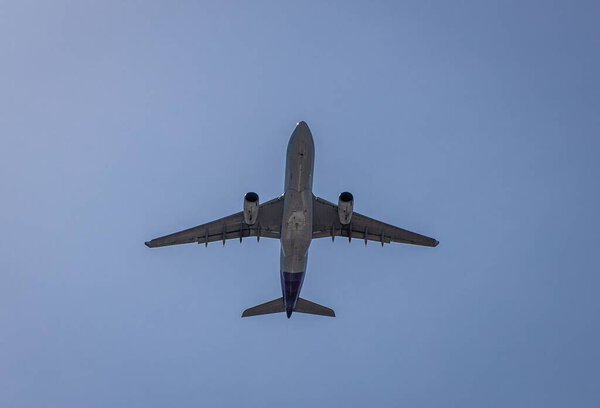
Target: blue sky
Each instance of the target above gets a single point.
(473, 122)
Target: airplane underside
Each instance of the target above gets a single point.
(295, 218)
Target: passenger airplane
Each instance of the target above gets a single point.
(295, 218)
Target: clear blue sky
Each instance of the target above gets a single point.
(474, 122)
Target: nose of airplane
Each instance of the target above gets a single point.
(302, 125)
(302, 131)
(301, 138)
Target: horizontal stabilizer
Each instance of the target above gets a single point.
(274, 306)
(306, 306)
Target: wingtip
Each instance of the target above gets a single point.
(436, 243)
(147, 243)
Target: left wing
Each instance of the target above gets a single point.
(326, 223)
(267, 225)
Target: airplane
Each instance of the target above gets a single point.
(295, 218)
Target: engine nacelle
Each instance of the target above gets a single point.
(250, 208)
(345, 207)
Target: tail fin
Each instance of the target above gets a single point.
(274, 306)
(306, 306)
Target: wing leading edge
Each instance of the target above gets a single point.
(326, 223)
(267, 225)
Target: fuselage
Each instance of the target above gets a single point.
(297, 222)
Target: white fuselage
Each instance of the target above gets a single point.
(297, 222)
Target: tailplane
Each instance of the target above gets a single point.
(274, 306)
(306, 306)
(278, 306)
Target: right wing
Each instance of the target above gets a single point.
(267, 225)
(326, 223)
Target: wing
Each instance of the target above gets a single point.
(267, 225)
(326, 223)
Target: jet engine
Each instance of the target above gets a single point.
(345, 207)
(250, 208)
